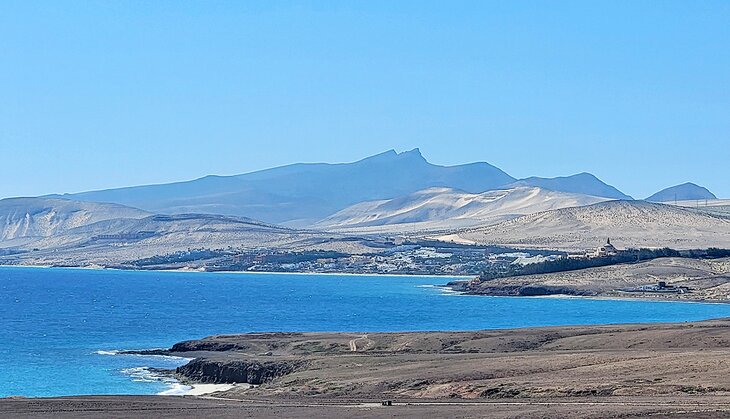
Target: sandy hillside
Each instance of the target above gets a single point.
(31, 218)
(446, 208)
(627, 223)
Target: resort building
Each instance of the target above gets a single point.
(606, 250)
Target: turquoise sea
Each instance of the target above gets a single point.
(59, 328)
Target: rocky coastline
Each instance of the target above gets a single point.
(482, 365)
(674, 278)
(210, 371)
(570, 371)
(476, 287)
(215, 362)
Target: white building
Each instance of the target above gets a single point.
(606, 250)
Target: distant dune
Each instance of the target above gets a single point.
(444, 208)
(627, 223)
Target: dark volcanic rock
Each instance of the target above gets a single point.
(536, 290)
(208, 345)
(237, 371)
(256, 342)
(478, 287)
(163, 352)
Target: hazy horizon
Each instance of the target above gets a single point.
(105, 95)
(315, 162)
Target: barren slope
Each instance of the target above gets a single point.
(627, 223)
(707, 280)
(45, 217)
(165, 234)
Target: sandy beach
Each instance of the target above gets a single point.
(205, 389)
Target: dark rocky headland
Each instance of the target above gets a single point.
(555, 362)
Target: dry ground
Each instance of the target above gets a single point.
(663, 370)
(88, 407)
(603, 361)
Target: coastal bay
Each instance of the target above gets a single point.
(662, 370)
(53, 318)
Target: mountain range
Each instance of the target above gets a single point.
(303, 194)
(582, 183)
(344, 207)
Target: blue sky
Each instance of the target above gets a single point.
(98, 94)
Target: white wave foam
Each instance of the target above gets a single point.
(436, 287)
(146, 375)
(176, 389)
(449, 291)
(442, 290)
(115, 352)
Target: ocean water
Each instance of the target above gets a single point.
(59, 328)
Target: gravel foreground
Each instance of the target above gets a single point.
(188, 407)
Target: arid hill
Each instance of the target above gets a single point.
(627, 223)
